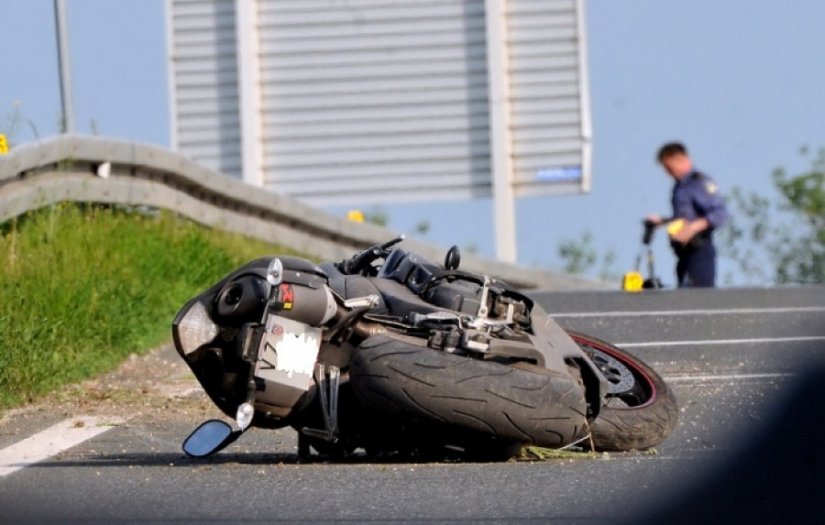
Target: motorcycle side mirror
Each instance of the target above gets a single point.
(210, 437)
(453, 258)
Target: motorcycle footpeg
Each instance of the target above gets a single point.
(368, 301)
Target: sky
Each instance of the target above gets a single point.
(740, 82)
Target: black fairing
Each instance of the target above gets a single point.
(232, 302)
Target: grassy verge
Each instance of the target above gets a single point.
(83, 287)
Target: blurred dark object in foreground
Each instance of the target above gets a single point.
(776, 476)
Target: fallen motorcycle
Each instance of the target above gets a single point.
(392, 354)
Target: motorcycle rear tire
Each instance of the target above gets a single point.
(651, 414)
(525, 404)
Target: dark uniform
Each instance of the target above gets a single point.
(694, 197)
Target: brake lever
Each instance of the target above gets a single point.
(389, 244)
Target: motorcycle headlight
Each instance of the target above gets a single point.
(195, 329)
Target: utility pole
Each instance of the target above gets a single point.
(64, 65)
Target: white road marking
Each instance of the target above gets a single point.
(53, 441)
(714, 342)
(709, 378)
(667, 313)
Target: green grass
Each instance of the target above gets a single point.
(83, 287)
(535, 453)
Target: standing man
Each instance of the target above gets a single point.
(698, 210)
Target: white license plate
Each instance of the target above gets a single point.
(288, 347)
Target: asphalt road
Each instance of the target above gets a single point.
(733, 358)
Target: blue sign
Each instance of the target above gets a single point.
(559, 174)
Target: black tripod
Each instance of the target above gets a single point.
(652, 281)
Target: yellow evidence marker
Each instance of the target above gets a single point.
(633, 282)
(355, 215)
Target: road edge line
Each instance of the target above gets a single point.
(54, 440)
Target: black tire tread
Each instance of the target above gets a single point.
(525, 404)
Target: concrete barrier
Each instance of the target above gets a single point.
(100, 170)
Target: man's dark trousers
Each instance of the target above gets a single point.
(696, 266)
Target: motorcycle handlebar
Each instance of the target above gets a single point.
(392, 242)
(362, 259)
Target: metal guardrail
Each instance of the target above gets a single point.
(93, 169)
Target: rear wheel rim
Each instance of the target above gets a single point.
(628, 384)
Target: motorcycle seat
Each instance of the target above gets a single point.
(395, 298)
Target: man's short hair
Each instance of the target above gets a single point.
(670, 149)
